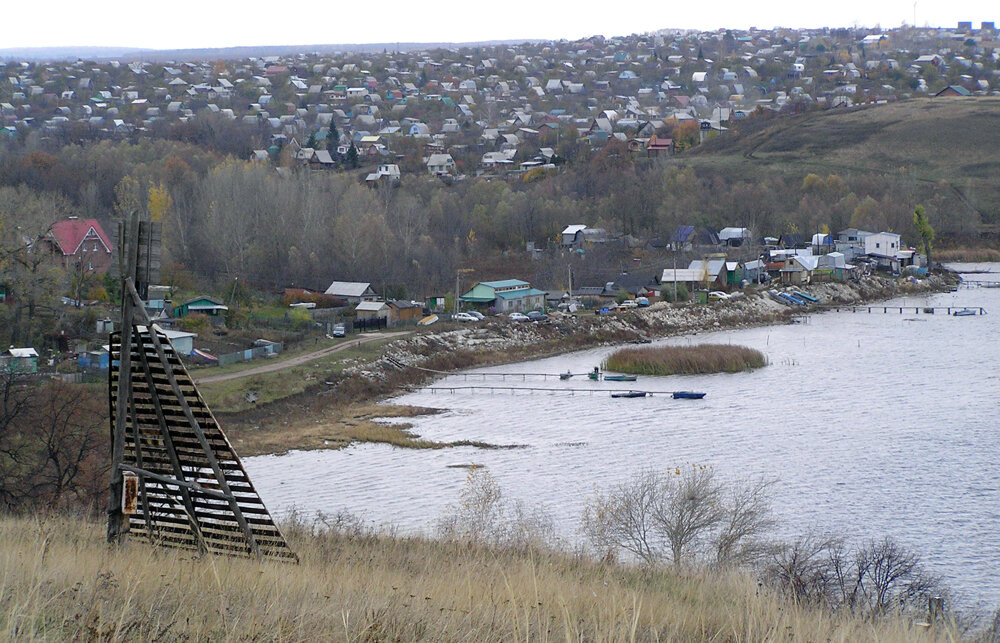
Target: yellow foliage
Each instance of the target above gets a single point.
(159, 202)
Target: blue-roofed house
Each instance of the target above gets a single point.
(686, 237)
(508, 295)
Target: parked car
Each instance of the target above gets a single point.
(536, 315)
(628, 303)
(717, 295)
(339, 330)
(642, 302)
(464, 317)
(478, 315)
(518, 317)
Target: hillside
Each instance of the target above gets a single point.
(59, 581)
(927, 141)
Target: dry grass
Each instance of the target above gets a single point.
(339, 428)
(967, 255)
(60, 582)
(685, 360)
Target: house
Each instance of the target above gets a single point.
(204, 305)
(798, 269)
(440, 164)
(953, 90)
(505, 296)
(573, 235)
(690, 279)
(711, 271)
(98, 358)
(182, 342)
(882, 244)
(789, 240)
(369, 310)
(657, 146)
(385, 172)
(351, 291)
(19, 360)
(733, 237)
(686, 237)
(81, 243)
(404, 312)
(834, 266)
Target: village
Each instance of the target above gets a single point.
(726, 264)
(490, 111)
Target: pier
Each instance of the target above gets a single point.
(906, 310)
(513, 390)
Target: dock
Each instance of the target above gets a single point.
(904, 310)
(531, 390)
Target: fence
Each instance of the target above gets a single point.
(250, 353)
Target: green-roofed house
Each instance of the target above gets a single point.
(505, 296)
(205, 305)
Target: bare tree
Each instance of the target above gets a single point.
(746, 517)
(624, 517)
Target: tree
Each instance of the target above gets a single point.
(352, 156)
(679, 514)
(925, 231)
(332, 136)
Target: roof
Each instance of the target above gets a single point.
(22, 352)
(505, 283)
(212, 302)
(370, 306)
(520, 293)
(682, 233)
(348, 288)
(573, 229)
(681, 275)
(69, 234)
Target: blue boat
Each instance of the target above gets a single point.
(688, 395)
(620, 378)
(805, 296)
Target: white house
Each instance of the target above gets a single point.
(440, 164)
(573, 235)
(882, 244)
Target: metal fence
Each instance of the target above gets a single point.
(250, 353)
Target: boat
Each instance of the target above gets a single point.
(688, 395)
(620, 378)
(629, 394)
(965, 312)
(565, 376)
(594, 374)
(428, 320)
(805, 296)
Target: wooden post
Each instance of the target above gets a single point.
(128, 253)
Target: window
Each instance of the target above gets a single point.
(878, 245)
(95, 246)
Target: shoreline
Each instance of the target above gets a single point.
(346, 410)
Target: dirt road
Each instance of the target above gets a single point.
(271, 367)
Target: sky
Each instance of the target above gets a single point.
(211, 23)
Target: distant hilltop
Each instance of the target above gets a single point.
(207, 53)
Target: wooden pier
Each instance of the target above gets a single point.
(513, 390)
(905, 310)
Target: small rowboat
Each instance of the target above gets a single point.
(688, 395)
(965, 312)
(565, 376)
(629, 394)
(620, 378)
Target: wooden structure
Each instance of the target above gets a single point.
(192, 491)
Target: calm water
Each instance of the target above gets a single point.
(874, 425)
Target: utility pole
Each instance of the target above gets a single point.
(569, 269)
(675, 276)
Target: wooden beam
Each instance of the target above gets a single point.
(184, 484)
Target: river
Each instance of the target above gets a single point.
(874, 424)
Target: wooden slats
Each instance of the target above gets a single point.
(184, 502)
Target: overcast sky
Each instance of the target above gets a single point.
(211, 23)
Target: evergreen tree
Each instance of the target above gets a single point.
(333, 136)
(352, 156)
(311, 143)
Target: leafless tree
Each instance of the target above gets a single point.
(689, 506)
(746, 517)
(623, 518)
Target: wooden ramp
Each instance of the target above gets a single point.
(193, 491)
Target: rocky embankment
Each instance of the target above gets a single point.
(497, 340)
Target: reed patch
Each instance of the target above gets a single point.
(685, 360)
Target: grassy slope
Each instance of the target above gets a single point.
(60, 582)
(927, 140)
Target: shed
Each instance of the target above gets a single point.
(19, 360)
(204, 305)
(183, 342)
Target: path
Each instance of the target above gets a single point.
(270, 367)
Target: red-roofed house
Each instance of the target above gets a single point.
(81, 242)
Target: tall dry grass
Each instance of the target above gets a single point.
(60, 582)
(685, 360)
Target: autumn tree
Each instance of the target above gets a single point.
(925, 231)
